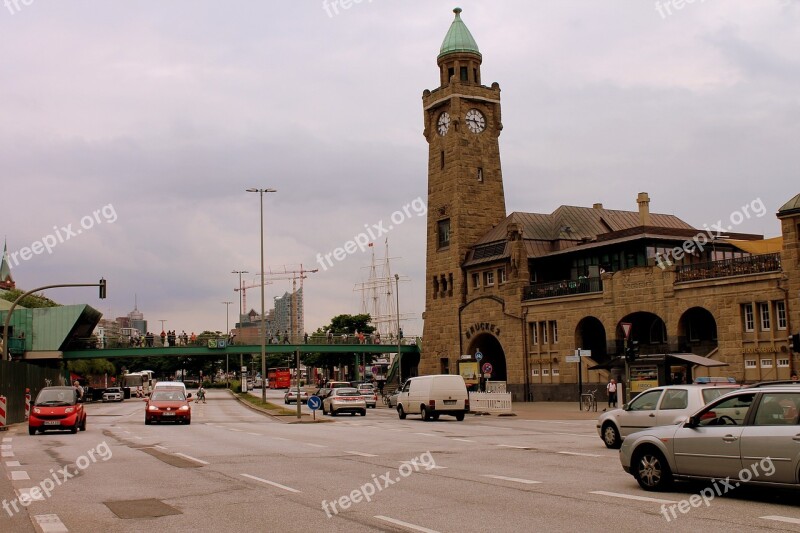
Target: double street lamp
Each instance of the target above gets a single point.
(263, 318)
(227, 330)
(241, 297)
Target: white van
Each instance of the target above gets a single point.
(431, 396)
(161, 385)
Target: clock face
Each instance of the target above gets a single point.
(475, 121)
(443, 124)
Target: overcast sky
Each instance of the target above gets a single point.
(165, 112)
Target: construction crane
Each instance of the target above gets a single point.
(244, 288)
(294, 275)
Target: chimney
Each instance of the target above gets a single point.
(597, 206)
(644, 208)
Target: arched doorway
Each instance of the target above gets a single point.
(697, 331)
(591, 335)
(493, 353)
(647, 329)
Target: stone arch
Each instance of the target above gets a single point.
(590, 334)
(493, 353)
(697, 331)
(648, 329)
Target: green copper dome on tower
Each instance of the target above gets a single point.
(458, 38)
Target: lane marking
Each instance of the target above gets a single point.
(137, 437)
(50, 523)
(630, 497)
(7, 439)
(236, 430)
(19, 475)
(778, 518)
(464, 440)
(278, 485)
(280, 438)
(6, 454)
(361, 454)
(5, 446)
(427, 434)
(192, 458)
(254, 434)
(581, 454)
(160, 447)
(26, 493)
(511, 446)
(405, 524)
(315, 445)
(12, 463)
(514, 479)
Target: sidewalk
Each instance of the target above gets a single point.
(551, 411)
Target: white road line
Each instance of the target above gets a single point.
(5, 446)
(50, 523)
(581, 454)
(7, 439)
(137, 437)
(237, 430)
(405, 524)
(315, 445)
(781, 519)
(284, 487)
(35, 496)
(12, 463)
(280, 438)
(6, 454)
(159, 447)
(464, 440)
(19, 475)
(427, 434)
(361, 454)
(630, 497)
(511, 446)
(254, 434)
(514, 479)
(192, 458)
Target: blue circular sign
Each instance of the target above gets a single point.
(478, 356)
(314, 403)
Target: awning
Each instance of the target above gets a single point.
(696, 359)
(619, 362)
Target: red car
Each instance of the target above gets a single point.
(57, 408)
(168, 405)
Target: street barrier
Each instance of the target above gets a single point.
(3, 426)
(490, 402)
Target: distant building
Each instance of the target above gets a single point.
(6, 280)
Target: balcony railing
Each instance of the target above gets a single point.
(753, 264)
(562, 288)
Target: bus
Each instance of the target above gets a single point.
(279, 378)
(138, 383)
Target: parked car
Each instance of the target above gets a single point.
(113, 394)
(659, 406)
(57, 408)
(748, 436)
(291, 396)
(168, 405)
(344, 400)
(431, 396)
(367, 390)
(393, 399)
(330, 385)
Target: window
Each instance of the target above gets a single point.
(556, 371)
(534, 334)
(646, 401)
(464, 74)
(545, 371)
(554, 330)
(766, 363)
(777, 409)
(488, 278)
(750, 363)
(501, 276)
(480, 174)
(675, 399)
(780, 310)
(476, 281)
(544, 332)
(729, 412)
(763, 313)
(441, 164)
(534, 372)
(444, 233)
(783, 363)
(749, 323)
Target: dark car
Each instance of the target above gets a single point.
(168, 405)
(57, 408)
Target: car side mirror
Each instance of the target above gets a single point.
(625, 406)
(691, 422)
(189, 395)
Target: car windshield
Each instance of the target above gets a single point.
(168, 396)
(715, 392)
(112, 390)
(56, 397)
(347, 392)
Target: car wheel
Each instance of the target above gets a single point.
(423, 412)
(460, 417)
(651, 470)
(31, 431)
(286, 401)
(83, 426)
(333, 413)
(611, 436)
(435, 417)
(188, 421)
(400, 412)
(364, 412)
(147, 421)
(74, 429)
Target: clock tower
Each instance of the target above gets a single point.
(465, 187)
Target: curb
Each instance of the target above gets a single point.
(276, 417)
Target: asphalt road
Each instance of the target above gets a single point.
(234, 469)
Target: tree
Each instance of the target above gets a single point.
(31, 301)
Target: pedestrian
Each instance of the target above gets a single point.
(163, 338)
(78, 389)
(286, 336)
(612, 393)
(305, 338)
(329, 335)
(793, 377)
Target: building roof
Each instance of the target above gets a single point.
(791, 207)
(5, 269)
(458, 38)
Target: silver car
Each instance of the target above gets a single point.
(369, 394)
(750, 436)
(113, 394)
(659, 406)
(344, 400)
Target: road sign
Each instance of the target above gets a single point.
(585, 353)
(487, 368)
(478, 356)
(314, 403)
(626, 328)
(376, 369)
(572, 358)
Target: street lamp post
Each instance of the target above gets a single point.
(397, 299)
(227, 326)
(263, 322)
(240, 272)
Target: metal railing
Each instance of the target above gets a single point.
(753, 264)
(562, 288)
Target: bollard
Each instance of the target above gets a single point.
(3, 426)
(27, 403)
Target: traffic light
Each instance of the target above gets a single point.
(796, 342)
(632, 351)
(102, 288)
